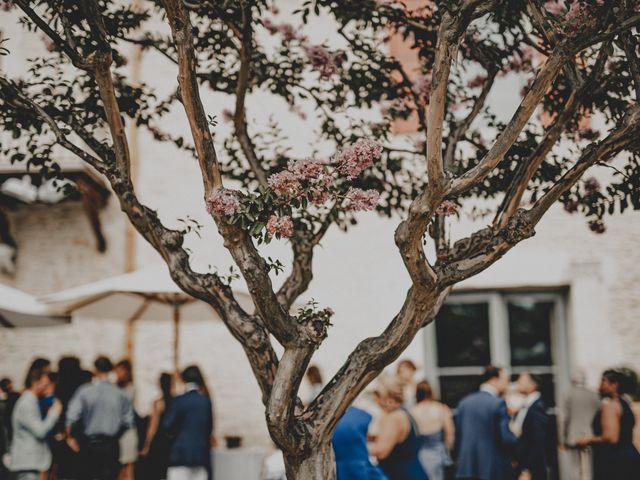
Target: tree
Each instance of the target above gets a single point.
(580, 59)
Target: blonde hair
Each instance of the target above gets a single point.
(391, 386)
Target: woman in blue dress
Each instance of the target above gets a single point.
(436, 432)
(350, 447)
(396, 445)
(614, 455)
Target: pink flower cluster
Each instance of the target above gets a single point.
(579, 18)
(358, 199)
(308, 173)
(223, 202)
(307, 169)
(447, 208)
(288, 31)
(323, 60)
(7, 5)
(354, 159)
(285, 184)
(555, 7)
(477, 81)
(227, 115)
(597, 226)
(282, 226)
(591, 185)
(422, 86)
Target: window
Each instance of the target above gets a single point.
(521, 331)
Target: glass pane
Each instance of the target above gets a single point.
(530, 332)
(455, 388)
(462, 333)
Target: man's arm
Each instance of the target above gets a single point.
(128, 417)
(30, 418)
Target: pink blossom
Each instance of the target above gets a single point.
(288, 31)
(447, 208)
(578, 19)
(223, 202)
(282, 226)
(354, 159)
(284, 183)
(307, 169)
(422, 86)
(322, 60)
(320, 196)
(477, 81)
(571, 206)
(555, 7)
(591, 185)
(227, 115)
(7, 5)
(49, 44)
(358, 199)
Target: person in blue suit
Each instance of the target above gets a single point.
(532, 423)
(350, 447)
(484, 443)
(189, 422)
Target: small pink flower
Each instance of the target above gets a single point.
(284, 183)
(227, 115)
(591, 185)
(223, 202)
(447, 208)
(571, 206)
(49, 44)
(477, 81)
(358, 199)
(307, 169)
(282, 226)
(320, 196)
(7, 6)
(322, 60)
(578, 18)
(422, 86)
(555, 7)
(354, 159)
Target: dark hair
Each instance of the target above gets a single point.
(535, 378)
(5, 383)
(126, 366)
(39, 364)
(625, 378)
(103, 364)
(314, 375)
(490, 372)
(192, 374)
(423, 391)
(165, 385)
(69, 378)
(36, 374)
(408, 363)
(85, 377)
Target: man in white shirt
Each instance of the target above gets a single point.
(30, 453)
(531, 425)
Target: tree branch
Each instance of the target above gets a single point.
(511, 132)
(190, 96)
(240, 117)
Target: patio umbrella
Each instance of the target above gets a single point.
(129, 296)
(19, 309)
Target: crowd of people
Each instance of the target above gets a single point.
(76, 424)
(501, 431)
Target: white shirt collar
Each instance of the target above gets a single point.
(189, 387)
(531, 399)
(490, 389)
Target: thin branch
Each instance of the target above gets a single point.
(511, 132)
(181, 29)
(77, 60)
(240, 116)
(608, 35)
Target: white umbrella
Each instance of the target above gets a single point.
(130, 295)
(19, 309)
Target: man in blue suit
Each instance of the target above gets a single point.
(189, 421)
(485, 445)
(531, 422)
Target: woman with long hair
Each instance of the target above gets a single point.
(435, 429)
(396, 445)
(614, 455)
(157, 442)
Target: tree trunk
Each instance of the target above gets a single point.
(320, 464)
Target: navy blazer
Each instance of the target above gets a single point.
(532, 444)
(189, 422)
(485, 445)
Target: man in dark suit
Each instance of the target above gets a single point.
(531, 423)
(484, 443)
(189, 421)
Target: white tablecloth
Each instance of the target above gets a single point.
(238, 463)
